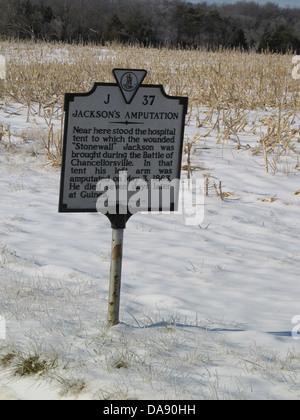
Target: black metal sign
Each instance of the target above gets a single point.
(122, 148)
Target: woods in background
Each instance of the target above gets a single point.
(170, 23)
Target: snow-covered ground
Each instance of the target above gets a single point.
(206, 311)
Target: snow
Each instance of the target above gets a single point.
(206, 310)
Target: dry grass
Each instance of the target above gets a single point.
(228, 84)
(225, 79)
(280, 138)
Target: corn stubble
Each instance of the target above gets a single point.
(226, 85)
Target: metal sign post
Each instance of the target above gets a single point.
(115, 276)
(122, 154)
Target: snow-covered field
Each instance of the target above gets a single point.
(206, 311)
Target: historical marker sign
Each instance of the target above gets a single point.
(128, 133)
(121, 154)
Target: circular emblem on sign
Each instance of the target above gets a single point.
(129, 82)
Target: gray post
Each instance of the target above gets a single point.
(115, 276)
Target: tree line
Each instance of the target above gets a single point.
(169, 23)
